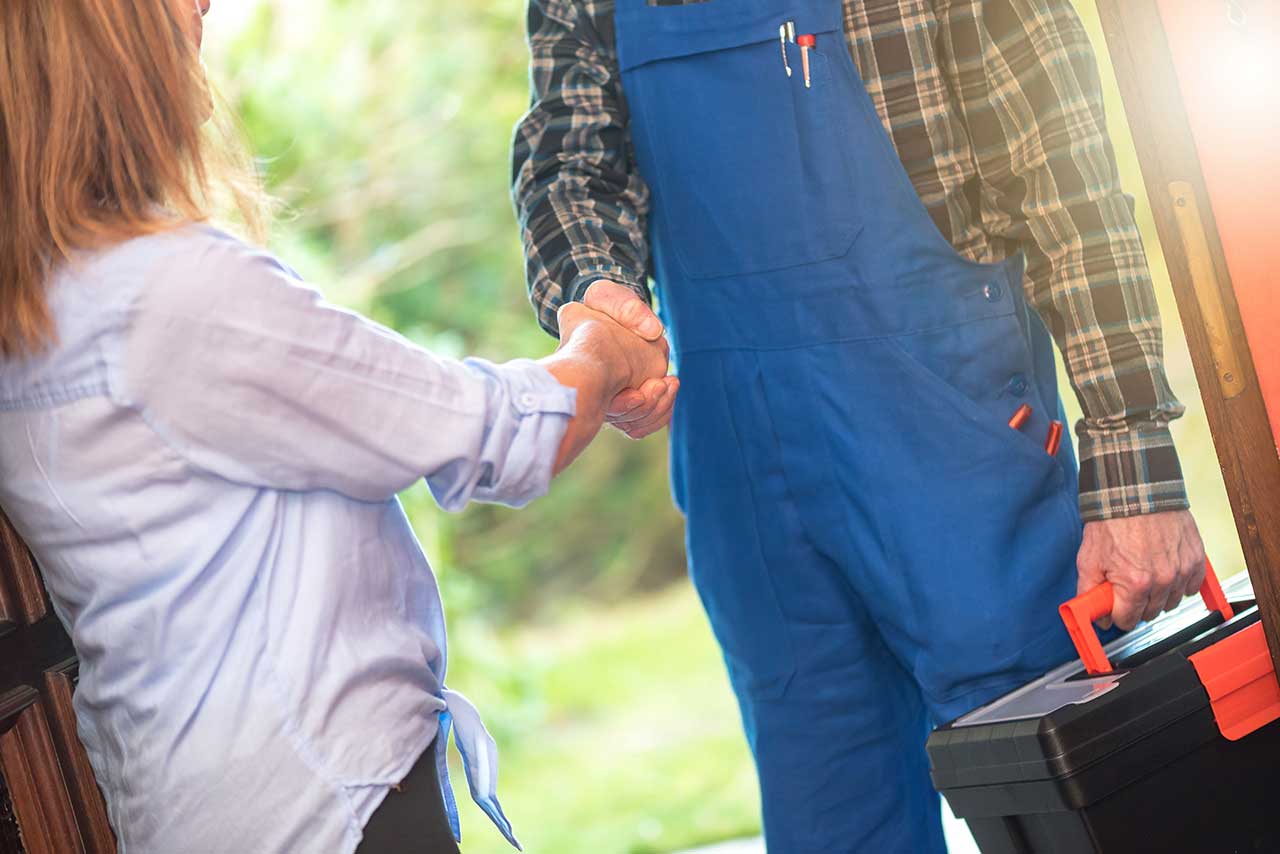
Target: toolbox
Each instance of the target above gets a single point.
(1171, 744)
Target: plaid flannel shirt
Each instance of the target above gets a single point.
(995, 108)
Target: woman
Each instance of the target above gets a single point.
(204, 458)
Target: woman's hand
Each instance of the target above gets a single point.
(600, 358)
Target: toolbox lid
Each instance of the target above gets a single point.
(1067, 722)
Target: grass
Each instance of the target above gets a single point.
(633, 743)
(634, 747)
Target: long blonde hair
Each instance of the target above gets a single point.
(104, 135)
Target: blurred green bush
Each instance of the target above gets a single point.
(385, 127)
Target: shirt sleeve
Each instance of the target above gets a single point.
(580, 202)
(1029, 87)
(248, 373)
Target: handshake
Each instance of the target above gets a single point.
(612, 351)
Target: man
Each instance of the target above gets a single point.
(858, 216)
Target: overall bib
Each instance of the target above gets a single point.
(878, 551)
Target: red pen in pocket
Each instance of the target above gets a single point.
(1021, 417)
(806, 42)
(1054, 442)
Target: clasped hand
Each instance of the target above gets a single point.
(612, 351)
(645, 407)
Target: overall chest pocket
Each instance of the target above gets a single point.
(750, 169)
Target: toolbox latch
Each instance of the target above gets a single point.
(1240, 678)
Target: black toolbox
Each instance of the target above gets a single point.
(1177, 750)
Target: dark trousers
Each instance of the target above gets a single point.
(412, 818)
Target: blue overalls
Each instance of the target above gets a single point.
(878, 551)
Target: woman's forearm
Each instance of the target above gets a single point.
(588, 378)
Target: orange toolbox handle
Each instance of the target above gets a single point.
(1079, 614)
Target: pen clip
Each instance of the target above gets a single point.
(786, 33)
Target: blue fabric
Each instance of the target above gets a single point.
(877, 550)
(206, 467)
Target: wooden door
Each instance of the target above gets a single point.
(49, 800)
(1198, 79)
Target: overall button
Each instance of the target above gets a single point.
(1018, 385)
(993, 292)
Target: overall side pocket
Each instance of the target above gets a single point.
(733, 571)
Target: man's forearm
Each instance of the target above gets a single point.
(1057, 187)
(580, 204)
(1130, 472)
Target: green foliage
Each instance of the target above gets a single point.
(385, 127)
(626, 740)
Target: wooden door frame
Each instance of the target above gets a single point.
(56, 802)
(1206, 299)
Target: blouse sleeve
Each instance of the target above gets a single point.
(248, 373)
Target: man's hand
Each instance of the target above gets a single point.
(1152, 562)
(627, 360)
(599, 358)
(647, 408)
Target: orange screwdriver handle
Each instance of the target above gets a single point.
(1080, 613)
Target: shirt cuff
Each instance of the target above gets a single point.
(1133, 473)
(577, 289)
(529, 414)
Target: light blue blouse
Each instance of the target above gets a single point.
(205, 466)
